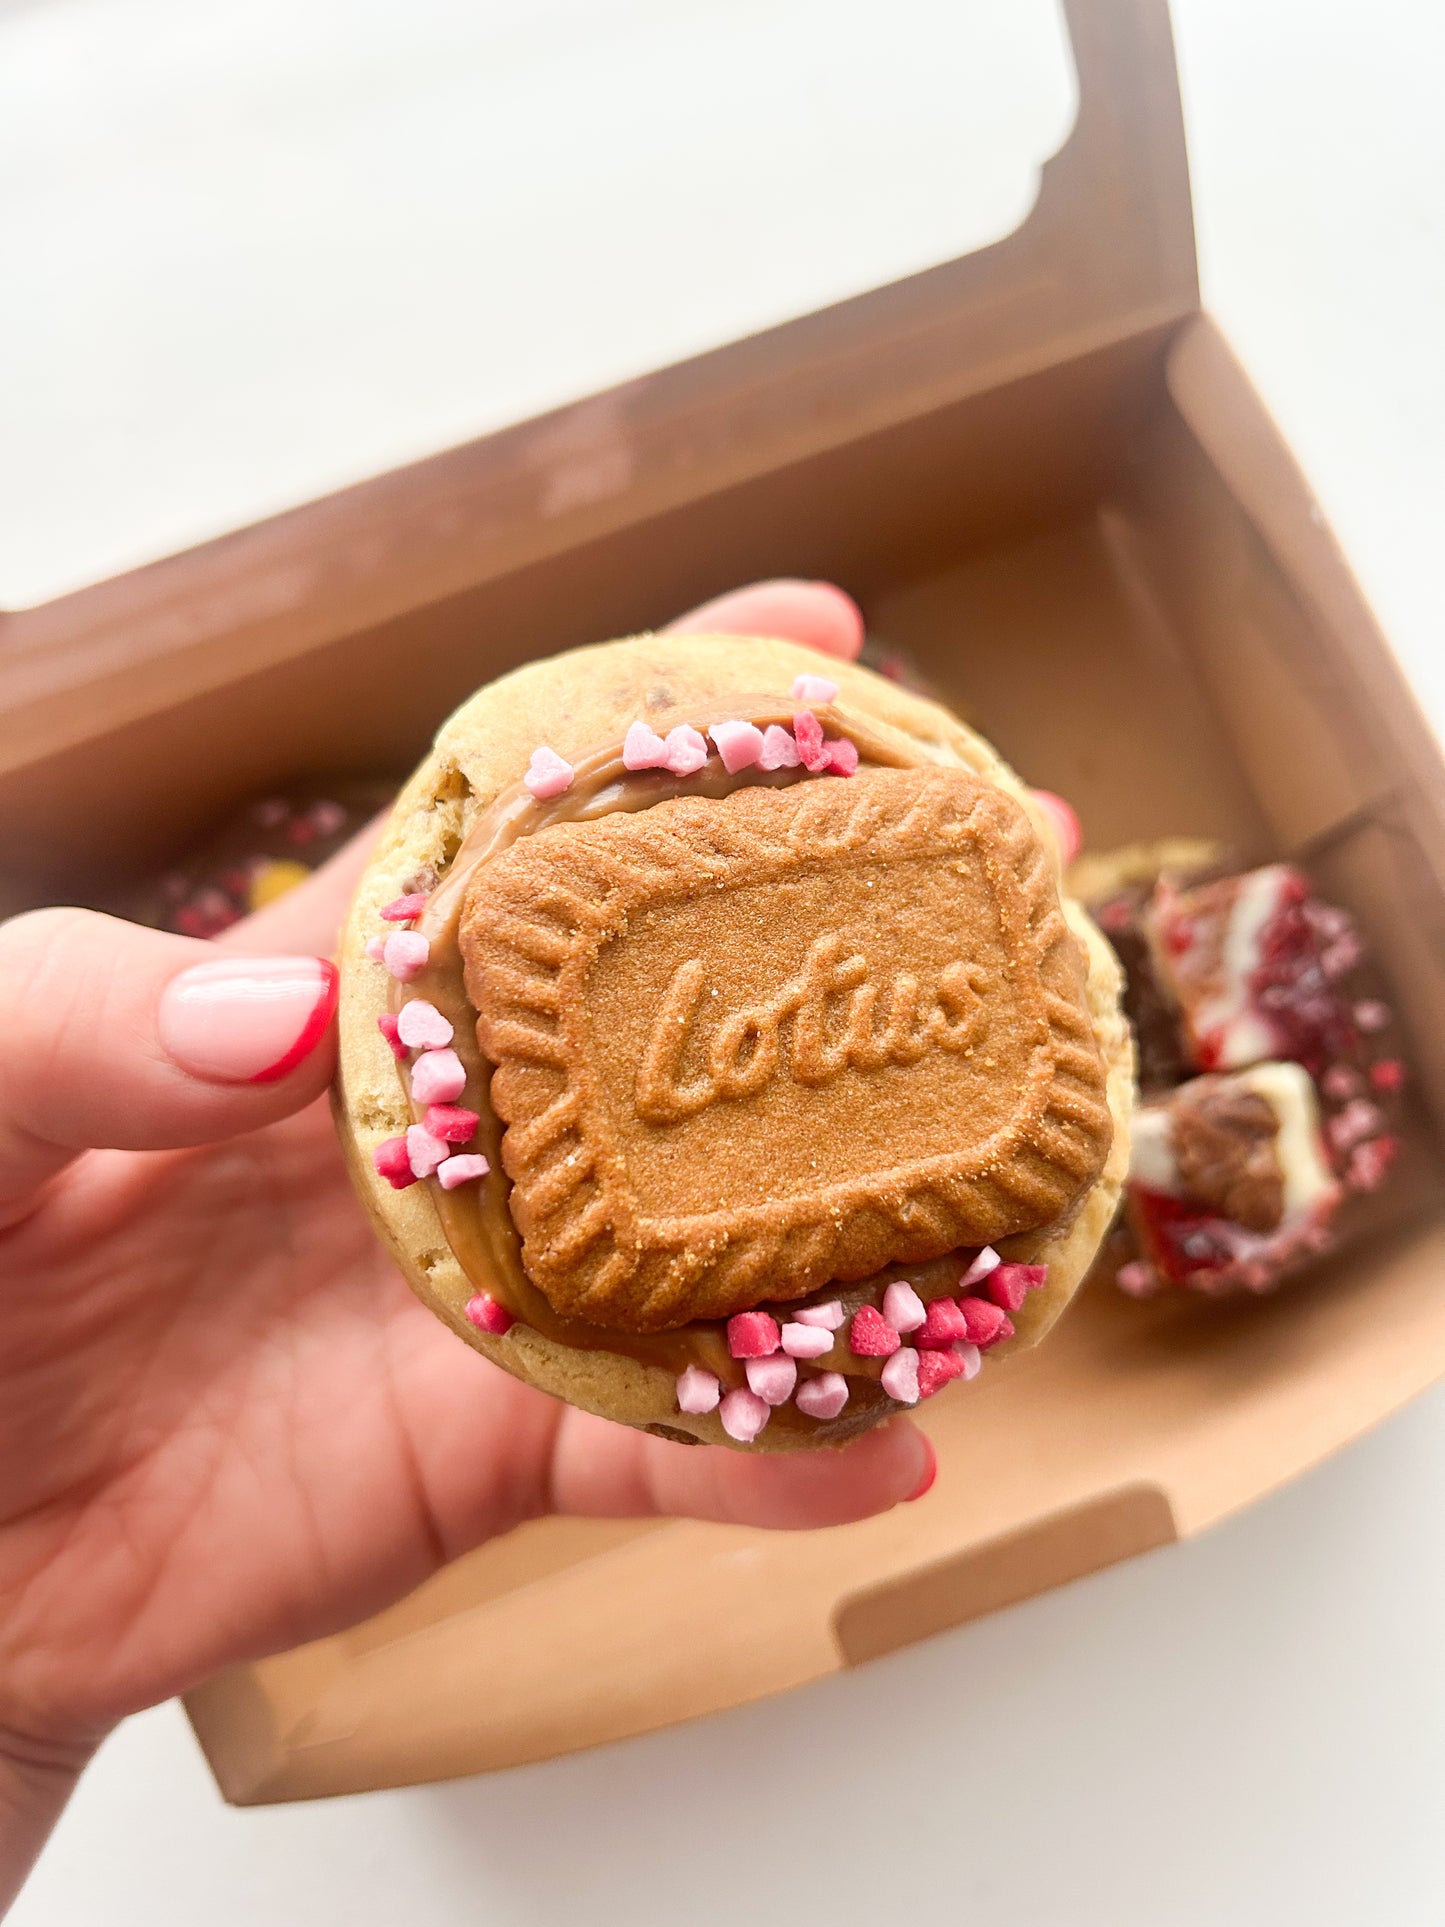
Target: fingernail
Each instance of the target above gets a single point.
(247, 1020)
(930, 1470)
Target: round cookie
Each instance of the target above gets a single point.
(576, 704)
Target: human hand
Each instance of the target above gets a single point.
(226, 1425)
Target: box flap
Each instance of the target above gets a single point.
(1107, 253)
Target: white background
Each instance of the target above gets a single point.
(1247, 1729)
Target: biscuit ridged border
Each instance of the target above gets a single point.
(584, 1241)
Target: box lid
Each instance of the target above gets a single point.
(1106, 253)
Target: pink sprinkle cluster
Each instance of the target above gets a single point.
(438, 1077)
(949, 1337)
(682, 752)
(404, 952)
(821, 754)
(742, 745)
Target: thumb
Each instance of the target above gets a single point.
(113, 1035)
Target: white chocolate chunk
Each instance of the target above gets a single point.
(1229, 1017)
(1151, 1151)
(1289, 1091)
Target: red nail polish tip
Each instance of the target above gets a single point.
(312, 1031)
(925, 1484)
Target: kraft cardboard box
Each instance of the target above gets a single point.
(1044, 476)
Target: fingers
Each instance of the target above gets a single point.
(815, 613)
(605, 1470)
(119, 1036)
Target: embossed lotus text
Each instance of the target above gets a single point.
(789, 1034)
(746, 1047)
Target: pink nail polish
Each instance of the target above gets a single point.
(247, 1020)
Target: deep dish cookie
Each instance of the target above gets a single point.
(717, 1051)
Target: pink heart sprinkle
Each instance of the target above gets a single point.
(392, 1161)
(1009, 1285)
(686, 750)
(773, 1379)
(437, 1077)
(779, 751)
(987, 1260)
(808, 734)
(753, 1334)
(386, 1024)
(869, 1335)
(487, 1315)
(643, 748)
(830, 1315)
(461, 1170)
(451, 1123)
(900, 1376)
(548, 775)
(972, 1359)
(984, 1322)
(937, 1369)
(743, 1415)
(697, 1391)
(842, 756)
(904, 1310)
(405, 953)
(814, 689)
(739, 744)
(421, 1026)
(823, 1397)
(806, 1341)
(425, 1151)
(945, 1322)
(403, 909)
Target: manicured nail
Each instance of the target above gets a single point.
(930, 1473)
(247, 1020)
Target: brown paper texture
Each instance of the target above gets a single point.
(1045, 477)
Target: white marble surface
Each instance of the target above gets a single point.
(1250, 1728)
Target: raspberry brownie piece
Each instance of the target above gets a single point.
(1255, 964)
(1231, 1183)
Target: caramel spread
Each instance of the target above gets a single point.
(713, 1005)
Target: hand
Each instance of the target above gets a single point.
(226, 1425)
